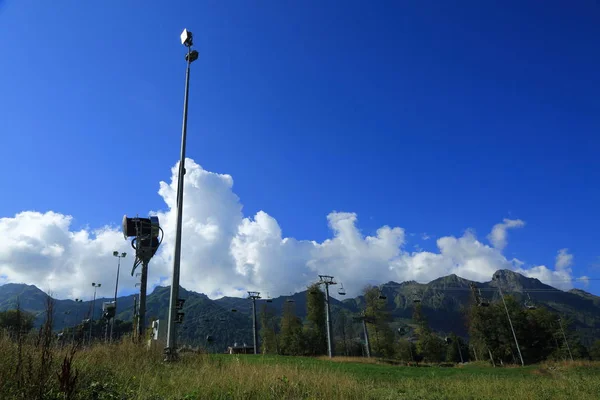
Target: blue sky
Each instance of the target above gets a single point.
(432, 116)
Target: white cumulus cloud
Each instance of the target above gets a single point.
(563, 259)
(499, 233)
(227, 253)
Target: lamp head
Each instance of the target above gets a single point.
(191, 56)
(116, 253)
(123, 254)
(186, 38)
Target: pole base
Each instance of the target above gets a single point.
(171, 355)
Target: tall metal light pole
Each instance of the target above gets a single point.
(96, 286)
(254, 296)
(171, 349)
(119, 255)
(328, 280)
(511, 325)
(76, 317)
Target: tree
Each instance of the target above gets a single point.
(268, 335)
(405, 350)
(380, 334)
(430, 346)
(344, 330)
(16, 320)
(291, 341)
(315, 330)
(456, 351)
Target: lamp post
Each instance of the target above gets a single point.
(77, 301)
(119, 256)
(171, 349)
(96, 286)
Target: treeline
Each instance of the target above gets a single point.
(541, 334)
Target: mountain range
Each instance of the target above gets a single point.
(228, 320)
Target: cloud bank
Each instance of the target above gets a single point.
(225, 253)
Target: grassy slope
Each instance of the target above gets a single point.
(127, 371)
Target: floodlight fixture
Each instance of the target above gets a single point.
(191, 56)
(186, 38)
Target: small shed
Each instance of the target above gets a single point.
(235, 349)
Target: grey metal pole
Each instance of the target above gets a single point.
(367, 344)
(565, 337)
(116, 289)
(170, 350)
(92, 318)
(254, 335)
(511, 326)
(142, 307)
(135, 314)
(329, 341)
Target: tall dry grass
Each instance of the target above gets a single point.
(130, 371)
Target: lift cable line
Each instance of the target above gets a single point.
(175, 303)
(545, 282)
(510, 321)
(565, 339)
(328, 280)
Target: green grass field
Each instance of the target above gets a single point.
(128, 371)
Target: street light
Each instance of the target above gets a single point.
(119, 256)
(77, 301)
(171, 349)
(96, 286)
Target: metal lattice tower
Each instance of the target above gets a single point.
(254, 296)
(328, 280)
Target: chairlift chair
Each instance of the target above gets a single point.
(234, 310)
(481, 301)
(269, 299)
(341, 290)
(290, 299)
(416, 298)
(529, 304)
(381, 295)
